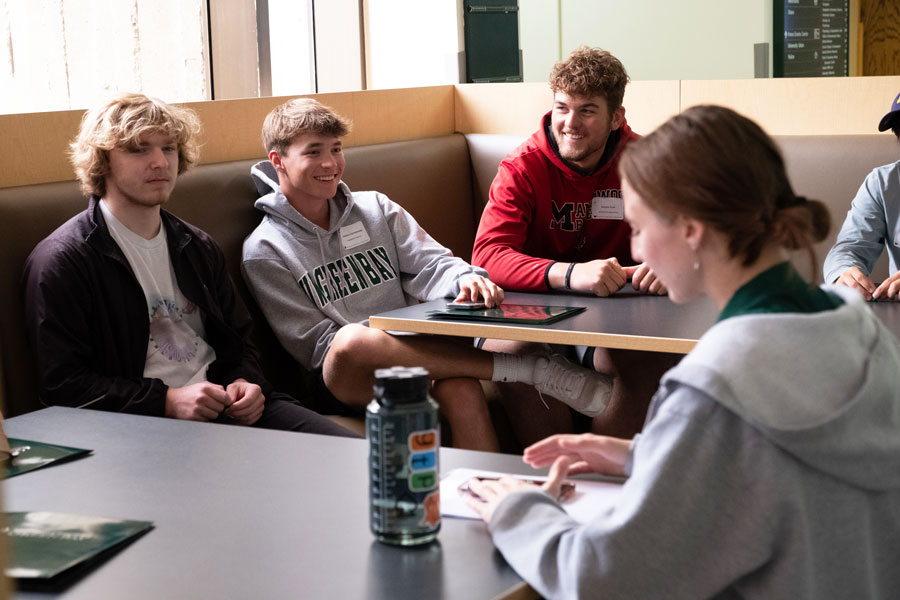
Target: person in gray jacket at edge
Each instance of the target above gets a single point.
(872, 226)
(769, 465)
(324, 259)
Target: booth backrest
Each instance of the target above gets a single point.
(486, 152)
(429, 177)
(829, 168)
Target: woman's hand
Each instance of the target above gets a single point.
(490, 492)
(588, 453)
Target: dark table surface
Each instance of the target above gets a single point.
(244, 513)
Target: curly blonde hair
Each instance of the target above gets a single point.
(591, 72)
(297, 117)
(122, 123)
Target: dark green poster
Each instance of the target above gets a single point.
(491, 34)
(44, 544)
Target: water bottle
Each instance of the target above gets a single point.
(404, 439)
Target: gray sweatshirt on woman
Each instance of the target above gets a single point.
(769, 467)
(310, 282)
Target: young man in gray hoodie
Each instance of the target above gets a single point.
(325, 258)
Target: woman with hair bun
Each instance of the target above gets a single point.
(769, 465)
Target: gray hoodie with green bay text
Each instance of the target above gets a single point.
(310, 282)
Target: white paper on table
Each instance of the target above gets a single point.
(591, 498)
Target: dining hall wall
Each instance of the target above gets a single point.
(35, 143)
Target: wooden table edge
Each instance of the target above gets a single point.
(520, 591)
(534, 334)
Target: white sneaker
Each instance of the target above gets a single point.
(585, 390)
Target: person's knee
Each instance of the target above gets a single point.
(348, 365)
(604, 361)
(458, 392)
(352, 343)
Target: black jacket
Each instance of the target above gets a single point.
(88, 324)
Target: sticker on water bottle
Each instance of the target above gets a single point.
(432, 505)
(423, 449)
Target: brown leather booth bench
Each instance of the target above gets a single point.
(442, 181)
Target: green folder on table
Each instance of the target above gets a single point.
(28, 455)
(43, 545)
(531, 314)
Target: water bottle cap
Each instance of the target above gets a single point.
(401, 385)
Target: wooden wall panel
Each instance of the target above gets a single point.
(377, 115)
(516, 108)
(35, 145)
(505, 108)
(649, 104)
(801, 106)
(34, 148)
(881, 39)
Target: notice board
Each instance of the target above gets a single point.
(811, 38)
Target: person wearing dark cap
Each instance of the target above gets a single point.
(872, 225)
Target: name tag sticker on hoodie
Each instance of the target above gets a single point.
(353, 235)
(608, 204)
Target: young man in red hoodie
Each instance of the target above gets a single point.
(555, 221)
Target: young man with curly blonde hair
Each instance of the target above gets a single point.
(129, 308)
(555, 221)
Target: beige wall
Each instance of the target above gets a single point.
(662, 39)
(687, 39)
(35, 143)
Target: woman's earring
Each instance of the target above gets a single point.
(696, 258)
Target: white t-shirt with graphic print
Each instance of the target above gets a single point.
(177, 351)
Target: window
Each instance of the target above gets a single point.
(62, 54)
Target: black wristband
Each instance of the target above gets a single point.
(547, 275)
(569, 276)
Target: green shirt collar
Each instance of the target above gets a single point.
(778, 289)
